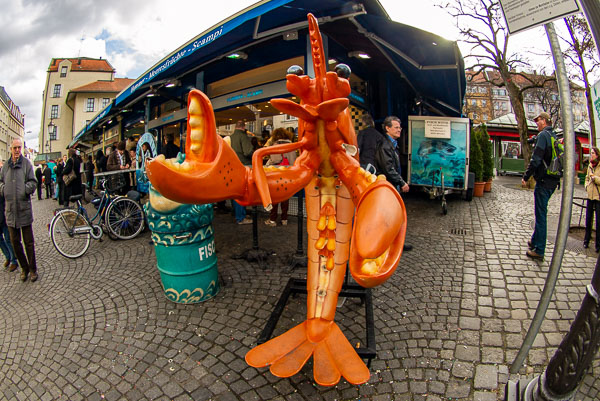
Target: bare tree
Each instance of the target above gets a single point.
(481, 25)
(581, 59)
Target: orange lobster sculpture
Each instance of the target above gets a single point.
(335, 186)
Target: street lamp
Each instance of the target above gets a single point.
(51, 135)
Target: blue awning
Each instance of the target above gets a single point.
(435, 72)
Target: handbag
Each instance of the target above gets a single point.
(67, 179)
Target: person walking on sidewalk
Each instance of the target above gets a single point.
(545, 184)
(242, 146)
(17, 184)
(38, 177)
(5, 245)
(48, 181)
(592, 182)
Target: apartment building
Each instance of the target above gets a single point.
(12, 123)
(76, 90)
(485, 101)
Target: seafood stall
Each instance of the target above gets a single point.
(438, 149)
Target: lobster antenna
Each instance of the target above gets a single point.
(318, 56)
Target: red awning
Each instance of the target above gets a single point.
(504, 134)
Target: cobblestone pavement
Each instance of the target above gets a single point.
(448, 323)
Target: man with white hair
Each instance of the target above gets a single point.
(17, 184)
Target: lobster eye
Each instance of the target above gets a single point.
(296, 70)
(343, 71)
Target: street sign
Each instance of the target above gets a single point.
(524, 14)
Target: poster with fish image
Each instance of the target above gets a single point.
(428, 155)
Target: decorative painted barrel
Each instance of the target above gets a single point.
(185, 249)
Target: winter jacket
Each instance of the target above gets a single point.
(387, 162)
(369, 139)
(17, 183)
(592, 185)
(242, 146)
(542, 152)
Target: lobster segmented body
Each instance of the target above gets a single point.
(338, 191)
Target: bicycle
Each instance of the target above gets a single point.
(120, 217)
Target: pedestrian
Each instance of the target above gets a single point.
(545, 184)
(120, 160)
(60, 185)
(89, 172)
(48, 181)
(38, 177)
(242, 146)
(170, 150)
(17, 184)
(280, 137)
(368, 140)
(387, 158)
(7, 250)
(592, 180)
(74, 187)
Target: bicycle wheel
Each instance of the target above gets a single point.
(66, 240)
(124, 218)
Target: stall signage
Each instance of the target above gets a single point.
(437, 129)
(524, 14)
(250, 95)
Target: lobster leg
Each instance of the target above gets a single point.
(380, 222)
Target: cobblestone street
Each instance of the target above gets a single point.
(448, 323)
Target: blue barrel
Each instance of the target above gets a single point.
(185, 249)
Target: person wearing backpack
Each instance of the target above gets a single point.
(546, 183)
(592, 187)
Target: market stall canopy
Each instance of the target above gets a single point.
(431, 65)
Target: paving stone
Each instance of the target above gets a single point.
(444, 321)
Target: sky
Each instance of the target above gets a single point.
(134, 35)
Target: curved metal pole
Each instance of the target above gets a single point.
(566, 203)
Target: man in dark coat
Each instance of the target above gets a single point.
(387, 158)
(48, 181)
(38, 177)
(368, 141)
(17, 184)
(171, 150)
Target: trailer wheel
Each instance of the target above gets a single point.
(444, 207)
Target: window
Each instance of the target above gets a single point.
(474, 116)
(484, 102)
(89, 107)
(504, 106)
(473, 102)
(485, 116)
(54, 111)
(105, 102)
(530, 108)
(63, 71)
(52, 131)
(56, 92)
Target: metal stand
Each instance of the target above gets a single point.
(298, 286)
(255, 254)
(298, 258)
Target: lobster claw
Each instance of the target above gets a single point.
(378, 234)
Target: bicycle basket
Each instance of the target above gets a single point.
(114, 182)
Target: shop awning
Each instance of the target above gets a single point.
(503, 134)
(432, 66)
